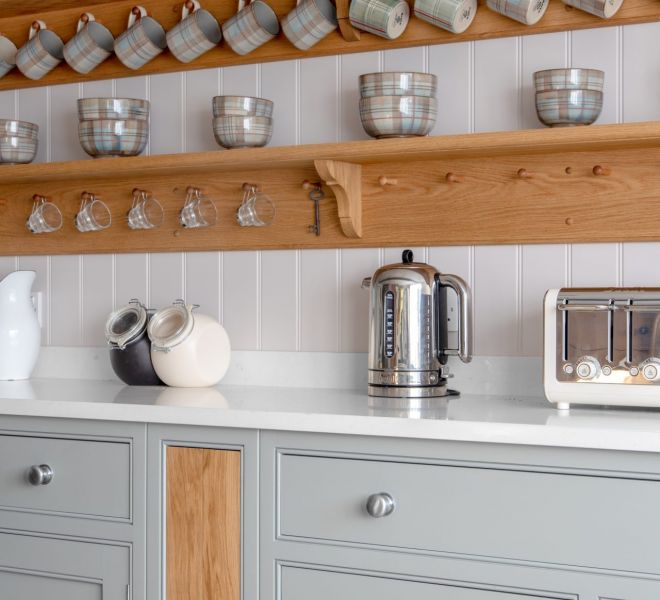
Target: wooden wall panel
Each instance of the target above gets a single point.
(203, 524)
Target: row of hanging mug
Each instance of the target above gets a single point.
(146, 212)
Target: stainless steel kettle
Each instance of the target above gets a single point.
(408, 339)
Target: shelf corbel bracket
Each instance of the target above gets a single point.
(345, 180)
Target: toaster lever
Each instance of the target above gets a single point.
(584, 307)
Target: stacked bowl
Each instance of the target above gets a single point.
(398, 104)
(569, 97)
(242, 121)
(113, 126)
(18, 141)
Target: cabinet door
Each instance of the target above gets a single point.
(203, 524)
(303, 584)
(33, 567)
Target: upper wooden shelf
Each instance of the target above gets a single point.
(588, 184)
(62, 17)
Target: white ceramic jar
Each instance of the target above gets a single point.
(188, 350)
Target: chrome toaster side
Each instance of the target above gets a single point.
(602, 346)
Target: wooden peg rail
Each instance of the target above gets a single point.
(62, 16)
(579, 184)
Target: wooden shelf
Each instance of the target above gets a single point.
(533, 186)
(15, 22)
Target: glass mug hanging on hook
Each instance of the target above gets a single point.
(146, 212)
(256, 210)
(196, 33)
(43, 51)
(92, 44)
(198, 210)
(94, 214)
(253, 25)
(142, 41)
(45, 216)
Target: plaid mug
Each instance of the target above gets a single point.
(91, 45)
(7, 55)
(385, 18)
(252, 26)
(142, 41)
(527, 12)
(453, 15)
(601, 8)
(42, 52)
(309, 22)
(196, 33)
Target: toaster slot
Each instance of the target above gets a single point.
(642, 331)
(586, 329)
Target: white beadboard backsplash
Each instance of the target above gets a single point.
(311, 300)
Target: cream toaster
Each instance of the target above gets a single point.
(602, 346)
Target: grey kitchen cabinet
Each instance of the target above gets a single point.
(36, 566)
(81, 533)
(500, 521)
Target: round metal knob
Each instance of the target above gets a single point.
(587, 367)
(40, 474)
(380, 505)
(651, 369)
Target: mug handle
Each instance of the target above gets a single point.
(36, 27)
(242, 4)
(84, 19)
(189, 7)
(137, 12)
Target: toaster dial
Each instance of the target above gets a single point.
(651, 369)
(587, 367)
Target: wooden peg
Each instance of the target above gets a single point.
(84, 17)
(453, 178)
(247, 187)
(525, 174)
(383, 181)
(348, 32)
(599, 170)
(38, 198)
(190, 5)
(136, 11)
(309, 185)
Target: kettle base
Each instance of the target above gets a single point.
(409, 393)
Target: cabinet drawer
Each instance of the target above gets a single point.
(91, 479)
(534, 516)
(302, 584)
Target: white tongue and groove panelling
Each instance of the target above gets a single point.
(311, 300)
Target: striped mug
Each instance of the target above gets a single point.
(196, 33)
(453, 15)
(309, 22)
(527, 12)
(42, 52)
(91, 45)
(142, 41)
(7, 55)
(385, 18)
(601, 8)
(252, 26)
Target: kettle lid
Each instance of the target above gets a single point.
(126, 324)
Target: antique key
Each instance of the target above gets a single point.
(316, 194)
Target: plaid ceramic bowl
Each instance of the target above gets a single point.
(397, 116)
(398, 84)
(566, 108)
(15, 150)
(569, 79)
(113, 108)
(242, 132)
(110, 137)
(242, 106)
(10, 128)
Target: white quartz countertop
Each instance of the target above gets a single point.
(495, 419)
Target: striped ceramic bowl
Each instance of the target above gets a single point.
(17, 150)
(569, 79)
(398, 84)
(242, 106)
(113, 108)
(10, 128)
(566, 108)
(397, 116)
(242, 132)
(110, 137)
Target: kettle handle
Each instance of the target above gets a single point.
(464, 313)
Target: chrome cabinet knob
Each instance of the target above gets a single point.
(40, 474)
(380, 505)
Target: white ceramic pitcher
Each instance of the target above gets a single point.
(20, 335)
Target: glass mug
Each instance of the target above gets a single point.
(45, 216)
(94, 214)
(198, 210)
(256, 210)
(146, 212)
